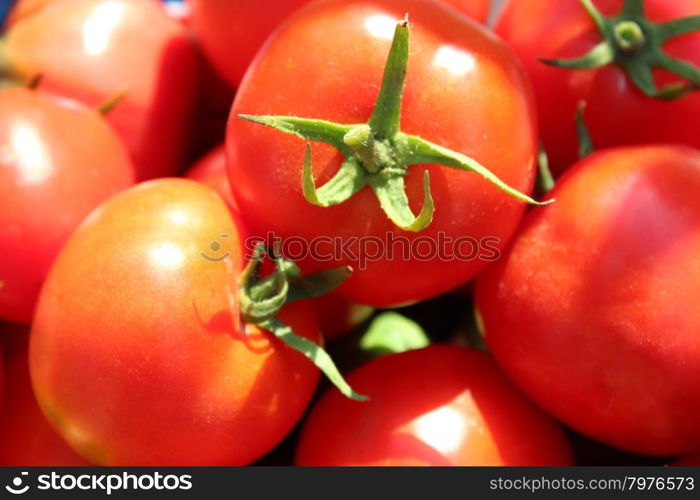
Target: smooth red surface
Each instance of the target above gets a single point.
(591, 311)
(93, 50)
(211, 171)
(464, 90)
(138, 355)
(232, 31)
(26, 438)
(58, 161)
(337, 316)
(616, 112)
(443, 405)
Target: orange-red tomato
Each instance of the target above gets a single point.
(138, 353)
(591, 309)
(442, 405)
(93, 50)
(58, 161)
(26, 438)
(464, 90)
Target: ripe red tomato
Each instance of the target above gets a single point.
(26, 438)
(232, 31)
(617, 112)
(138, 355)
(337, 316)
(93, 50)
(58, 161)
(591, 310)
(211, 171)
(442, 405)
(462, 85)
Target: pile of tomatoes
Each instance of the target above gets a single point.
(155, 157)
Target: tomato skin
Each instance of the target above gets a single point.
(589, 311)
(49, 182)
(452, 102)
(475, 9)
(26, 438)
(137, 353)
(221, 25)
(93, 50)
(442, 405)
(211, 171)
(617, 113)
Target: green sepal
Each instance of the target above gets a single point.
(377, 153)
(422, 151)
(261, 299)
(636, 45)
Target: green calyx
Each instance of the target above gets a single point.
(261, 298)
(377, 154)
(634, 43)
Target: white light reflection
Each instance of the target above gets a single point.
(98, 28)
(33, 160)
(454, 60)
(166, 255)
(381, 26)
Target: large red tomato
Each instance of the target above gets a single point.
(232, 31)
(464, 91)
(26, 438)
(58, 161)
(442, 405)
(93, 50)
(138, 353)
(617, 112)
(591, 311)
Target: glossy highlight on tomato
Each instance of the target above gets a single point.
(50, 180)
(590, 311)
(462, 85)
(138, 352)
(442, 405)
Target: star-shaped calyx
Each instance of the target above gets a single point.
(635, 44)
(378, 154)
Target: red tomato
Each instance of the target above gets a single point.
(590, 311)
(58, 161)
(617, 113)
(232, 31)
(26, 438)
(138, 355)
(442, 405)
(462, 85)
(93, 50)
(337, 316)
(211, 171)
